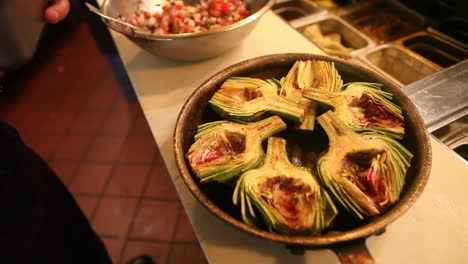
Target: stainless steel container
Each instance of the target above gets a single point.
(398, 64)
(442, 101)
(328, 23)
(383, 20)
(21, 25)
(434, 48)
(443, 97)
(293, 9)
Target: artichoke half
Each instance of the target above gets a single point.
(309, 74)
(364, 107)
(364, 172)
(223, 150)
(288, 197)
(248, 98)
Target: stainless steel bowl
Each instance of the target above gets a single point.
(188, 46)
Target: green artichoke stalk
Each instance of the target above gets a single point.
(364, 172)
(364, 107)
(248, 98)
(223, 150)
(309, 74)
(288, 197)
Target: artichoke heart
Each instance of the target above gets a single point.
(364, 107)
(309, 74)
(288, 197)
(248, 98)
(223, 150)
(365, 172)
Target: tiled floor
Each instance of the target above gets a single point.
(69, 108)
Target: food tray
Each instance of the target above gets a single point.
(293, 9)
(442, 97)
(397, 64)
(328, 23)
(384, 20)
(434, 48)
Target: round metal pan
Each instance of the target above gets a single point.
(347, 243)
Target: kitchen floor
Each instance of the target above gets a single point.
(70, 107)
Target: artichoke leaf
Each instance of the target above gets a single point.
(288, 198)
(223, 149)
(364, 172)
(364, 107)
(309, 74)
(249, 98)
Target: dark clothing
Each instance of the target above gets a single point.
(40, 222)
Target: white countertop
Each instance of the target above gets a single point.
(434, 230)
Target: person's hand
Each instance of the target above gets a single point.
(57, 11)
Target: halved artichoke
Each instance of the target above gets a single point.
(364, 172)
(288, 197)
(309, 74)
(248, 98)
(364, 107)
(223, 149)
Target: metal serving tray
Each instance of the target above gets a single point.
(442, 97)
(442, 100)
(384, 20)
(397, 64)
(293, 9)
(434, 48)
(455, 136)
(328, 23)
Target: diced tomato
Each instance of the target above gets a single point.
(219, 8)
(135, 22)
(157, 15)
(187, 28)
(243, 13)
(179, 6)
(175, 19)
(210, 14)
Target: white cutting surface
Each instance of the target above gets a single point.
(434, 230)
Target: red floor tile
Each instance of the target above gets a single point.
(57, 122)
(128, 180)
(105, 148)
(65, 170)
(157, 251)
(139, 149)
(72, 147)
(31, 123)
(100, 100)
(43, 145)
(114, 247)
(87, 204)
(140, 125)
(12, 117)
(160, 184)
(117, 123)
(181, 253)
(155, 220)
(114, 215)
(122, 104)
(87, 123)
(44, 104)
(184, 230)
(73, 101)
(91, 178)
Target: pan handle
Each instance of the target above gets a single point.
(353, 252)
